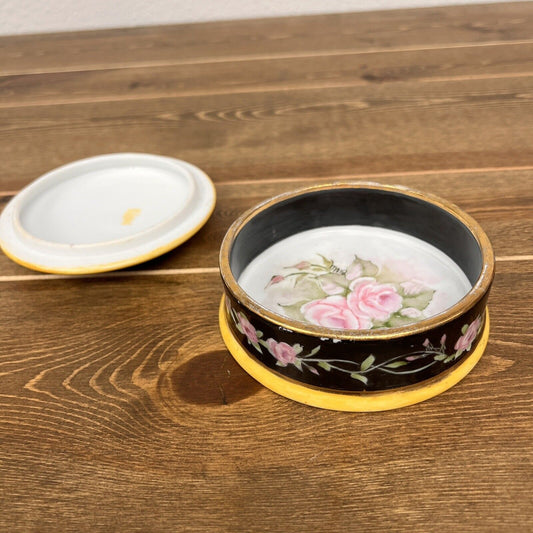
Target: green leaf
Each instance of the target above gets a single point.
(420, 301)
(314, 350)
(396, 364)
(369, 268)
(293, 310)
(299, 277)
(386, 275)
(324, 365)
(440, 357)
(464, 329)
(257, 347)
(327, 262)
(367, 363)
(336, 279)
(363, 379)
(397, 320)
(298, 364)
(450, 358)
(307, 289)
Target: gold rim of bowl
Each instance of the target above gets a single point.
(476, 293)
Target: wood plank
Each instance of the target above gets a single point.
(290, 35)
(266, 74)
(405, 126)
(120, 407)
(125, 397)
(500, 201)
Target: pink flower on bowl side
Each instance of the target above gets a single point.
(333, 312)
(247, 328)
(372, 299)
(465, 341)
(283, 352)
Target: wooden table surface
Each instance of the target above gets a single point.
(120, 407)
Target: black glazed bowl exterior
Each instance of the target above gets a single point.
(374, 360)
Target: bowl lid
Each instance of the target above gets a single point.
(106, 212)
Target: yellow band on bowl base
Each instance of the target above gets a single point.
(355, 402)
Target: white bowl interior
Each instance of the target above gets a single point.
(354, 277)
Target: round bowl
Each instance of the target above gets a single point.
(356, 296)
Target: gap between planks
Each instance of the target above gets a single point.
(263, 57)
(364, 176)
(173, 272)
(377, 175)
(251, 89)
(117, 274)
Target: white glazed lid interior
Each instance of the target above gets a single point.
(106, 212)
(103, 202)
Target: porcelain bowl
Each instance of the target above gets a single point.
(356, 296)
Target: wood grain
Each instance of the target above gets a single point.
(103, 401)
(121, 409)
(433, 126)
(422, 28)
(332, 69)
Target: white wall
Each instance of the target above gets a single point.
(36, 16)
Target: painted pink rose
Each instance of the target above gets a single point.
(333, 312)
(465, 341)
(283, 352)
(372, 299)
(247, 328)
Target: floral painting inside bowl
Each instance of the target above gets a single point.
(354, 278)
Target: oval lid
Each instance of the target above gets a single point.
(106, 212)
